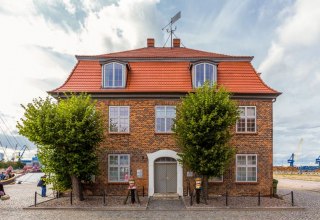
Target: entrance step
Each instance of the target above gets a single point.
(166, 196)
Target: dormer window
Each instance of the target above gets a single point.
(114, 75)
(203, 72)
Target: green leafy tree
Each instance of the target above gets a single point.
(67, 134)
(202, 129)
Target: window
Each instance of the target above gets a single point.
(215, 179)
(247, 121)
(119, 119)
(164, 118)
(119, 167)
(204, 72)
(113, 75)
(246, 167)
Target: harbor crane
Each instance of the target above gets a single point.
(318, 161)
(294, 156)
(291, 160)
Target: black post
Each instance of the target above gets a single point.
(270, 192)
(104, 197)
(259, 199)
(188, 189)
(198, 196)
(71, 197)
(35, 199)
(142, 191)
(226, 198)
(191, 202)
(292, 199)
(132, 196)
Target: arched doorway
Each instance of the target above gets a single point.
(152, 157)
(165, 175)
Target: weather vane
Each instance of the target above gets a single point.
(170, 30)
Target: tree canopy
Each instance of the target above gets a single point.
(202, 129)
(67, 134)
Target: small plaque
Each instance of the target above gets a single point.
(189, 174)
(139, 173)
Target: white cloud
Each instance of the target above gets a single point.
(293, 67)
(37, 53)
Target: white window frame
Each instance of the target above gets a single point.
(214, 77)
(123, 75)
(246, 118)
(115, 132)
(165, 121)
(247, 166)
(119, 166)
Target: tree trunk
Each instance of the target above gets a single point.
(205, 187)
(77, 188)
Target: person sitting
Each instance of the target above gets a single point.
(2, 176)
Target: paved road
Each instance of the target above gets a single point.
(23, 195)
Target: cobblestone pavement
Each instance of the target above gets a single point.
(166, 205)
(22, 196)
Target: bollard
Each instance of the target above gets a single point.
(35, 199)
(198, 191)
(259, 199)
(187, 191)
(132, 193)
(271, 192)
(142, 191)
(191, 202)
(71, 197)
(104, 197)
(226, 198)
(292, 199)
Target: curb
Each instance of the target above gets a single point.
(89, 208)
(230, 208)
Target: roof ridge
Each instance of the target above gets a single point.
(145, 49)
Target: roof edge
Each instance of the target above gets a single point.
(172, 59)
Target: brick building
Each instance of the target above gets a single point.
(140, 89)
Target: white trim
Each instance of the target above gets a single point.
(118, 155)
(123, 75)
(119, 106)
(246, 117)
(165, 121)
(246, 166)
(164, 153)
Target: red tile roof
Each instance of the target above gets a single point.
(165, 52)
(164, 75)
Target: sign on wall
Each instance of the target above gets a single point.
(139, 173)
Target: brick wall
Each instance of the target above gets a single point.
(142, 139)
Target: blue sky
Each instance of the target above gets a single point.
(40, 38)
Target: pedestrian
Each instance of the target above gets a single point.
(43, 185)
(2, 193)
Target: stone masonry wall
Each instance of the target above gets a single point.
(143, 139)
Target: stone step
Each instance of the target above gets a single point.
(166, 196)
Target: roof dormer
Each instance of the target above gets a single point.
(114, 75)
(203, 71)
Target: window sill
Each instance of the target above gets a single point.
(118, 183)
(161, 133)
(112, 133)
(113, 87)
(216, 183)
(247, 183)
(247, 133)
